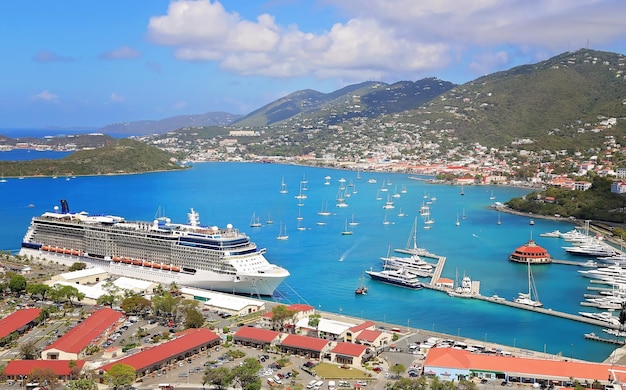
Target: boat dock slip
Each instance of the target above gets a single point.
(570, 262)
(550, 312)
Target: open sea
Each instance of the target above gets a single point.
(327, 266)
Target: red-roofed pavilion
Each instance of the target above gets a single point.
(348, 353)
(303, 345)
(19, 368)
(73, 343)
(186, 343)
(255, 337)
(18, 321)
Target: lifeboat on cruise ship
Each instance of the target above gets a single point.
(45, 248)
(156, 265)
(137, 262)
(126, 260)
(175, 268)
(74, 252)
(165, 267)
(67, 251)
(147, 264)
(116, 259)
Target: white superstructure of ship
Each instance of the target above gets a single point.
(207, 257)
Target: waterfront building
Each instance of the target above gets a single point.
(453, 364)
(530, 253)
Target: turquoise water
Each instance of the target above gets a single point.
(326, 266)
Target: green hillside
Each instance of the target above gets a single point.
(121, 156)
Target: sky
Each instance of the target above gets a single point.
(91, 63)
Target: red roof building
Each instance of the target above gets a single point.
(18, 368)
(73, 343)
(531, 253)
(450, 363)
(303, 345)
(348, 354)
(18, 321)
(186, 343)
(373, 338)
(256, 337)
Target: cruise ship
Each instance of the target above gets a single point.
(212, 258)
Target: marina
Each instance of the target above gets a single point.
(325, 266)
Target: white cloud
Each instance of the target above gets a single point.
(46, 96)
(115, 98)
(382, 38)
(120, 53)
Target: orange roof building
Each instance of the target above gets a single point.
(455, 364)
(531, 253)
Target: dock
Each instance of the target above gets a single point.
(441, 261)
(593, 336)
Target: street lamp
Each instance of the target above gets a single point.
(513, 342)
(485, 337)
(408, 323)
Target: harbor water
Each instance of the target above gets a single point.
(327, 266)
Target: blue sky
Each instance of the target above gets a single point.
(92, 63)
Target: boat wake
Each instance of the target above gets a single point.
(347, 252)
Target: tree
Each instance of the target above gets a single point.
(280, 315)
(107, 300)
(17, 284)
(81, 384)
(39, 289)
(135, 304)
(44, 375)
(219, 377)
(78, 266)
(314, 320)
(397, 369)
(193, 318)
(28, 350)
(246, 374)
(119, 375)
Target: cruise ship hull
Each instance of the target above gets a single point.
(191, 254)
(241, 284)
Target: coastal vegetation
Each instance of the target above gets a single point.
(121, 156)
(597, 203)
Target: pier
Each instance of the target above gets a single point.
(441, 261)
(593, 336)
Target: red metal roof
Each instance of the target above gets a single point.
(24, 367)
(369, 335)
(349, 349)
(458, 358)
(365, 325)
(304, 342)
(251, 333)
(300, 307)
(83, 334)
(184, 341)
(16, 320)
